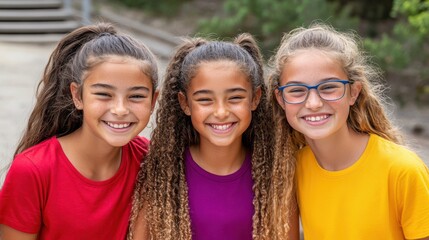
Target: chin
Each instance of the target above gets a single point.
(118, 142)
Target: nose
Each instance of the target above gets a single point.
(313, 100)
(120, 108)
(221, 111)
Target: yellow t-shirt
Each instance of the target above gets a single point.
(384, 195)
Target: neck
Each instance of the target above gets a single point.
(340, 151)
(219, 160)
(96, 160)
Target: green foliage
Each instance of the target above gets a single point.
(411, 30)
(267, 20)
(388, 52)
(406, 41)
(164, 7)
(404, 52)
(399, 49)
(416, 11)
(368, 10)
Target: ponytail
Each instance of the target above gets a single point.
(54, 113)
(248, 43)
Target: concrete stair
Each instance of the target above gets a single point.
(13, 15)
(35, 20)
(29, 4)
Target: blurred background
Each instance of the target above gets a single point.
(394, 32)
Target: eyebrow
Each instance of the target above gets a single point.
(231, 90)
(110, 87)
(321, 80)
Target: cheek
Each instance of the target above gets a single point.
(290, 110)
(291, 114)
(346, 110)
(244, 110)
(143, 110)
(290, 117)
(199, 113)
(91, 102)
(244, 107)
(94, 107)
(344, 105)
(341, 109)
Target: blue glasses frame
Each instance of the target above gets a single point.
(315, 87)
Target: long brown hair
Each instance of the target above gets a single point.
(161, 187)
(54, 113)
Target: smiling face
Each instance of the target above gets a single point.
(117, 99)
(317, 118)
(220, 101)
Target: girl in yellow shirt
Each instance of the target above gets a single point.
(353, 178)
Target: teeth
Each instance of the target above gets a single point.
(221, 127)
(118, 126)
(316, 118)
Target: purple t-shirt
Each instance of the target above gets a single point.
(221, 207)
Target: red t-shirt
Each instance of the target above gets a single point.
(43, 193)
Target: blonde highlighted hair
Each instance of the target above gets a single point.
(368, 114)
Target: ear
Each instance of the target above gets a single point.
(74, 89)
(279, 98)
(256, 98)
(154, 98)
(355, 89)
(184, 103)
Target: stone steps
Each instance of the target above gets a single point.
(38, 27)
(35, 15)
(31, 38)
(30, 4)
(35, 20)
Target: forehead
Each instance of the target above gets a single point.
(118, 72)
(217, 75)
(311, 66)
(94, 61)
(218, 65)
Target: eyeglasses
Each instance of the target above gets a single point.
(330, 90)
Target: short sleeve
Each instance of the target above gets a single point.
(139, 148)
(413, 195)
(21, 197)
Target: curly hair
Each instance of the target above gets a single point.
(367, 115)
(54, 113)
(161, 188)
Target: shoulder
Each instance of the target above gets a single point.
(140, 143)
(138, 147)
(40, 154)
(396, 155)
(35, 164)
(403, 165)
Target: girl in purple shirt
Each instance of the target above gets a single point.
(210, 173)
